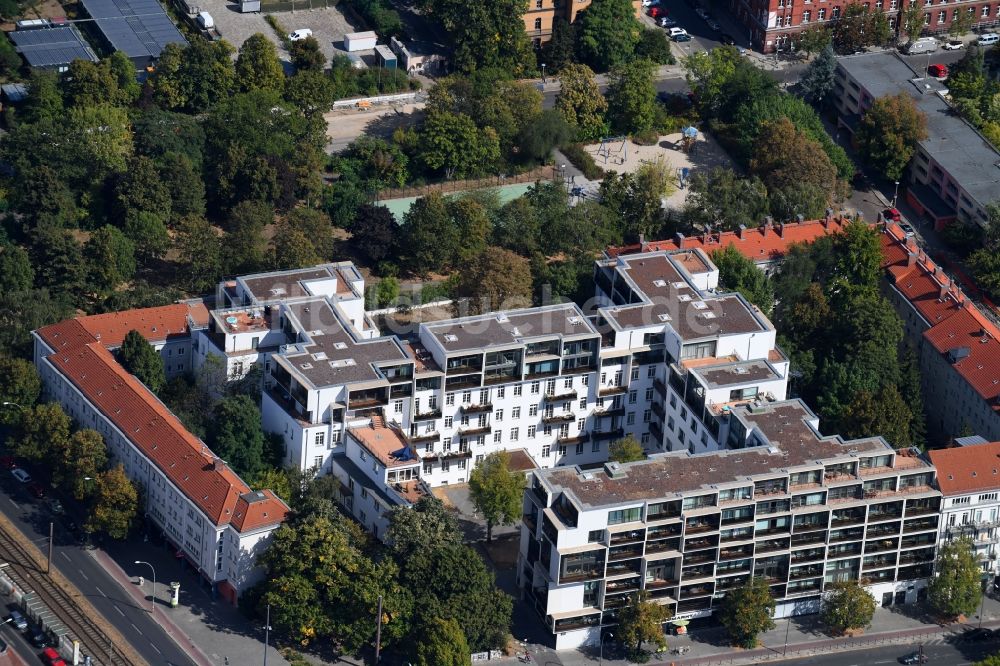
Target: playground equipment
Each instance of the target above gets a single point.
(615, 147)
(688, 136)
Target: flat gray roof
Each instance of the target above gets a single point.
(139, 28)
(951, 142)
(52, 47)
(511, 327)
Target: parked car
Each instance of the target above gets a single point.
(674, 32)
(36, 489)
(650, 3)
(21, 475)
(892, 214)
(702, 13)
(299, 34)
(683, 37)
(38, 637)
(988, 39)
(726, 39)
(907, 229)
(56, 507)
(923, 45)
(713, 25)
(656, 12)
(52, 658)
(667, 22)
(938, 71)
(953, 45)
(914, 658)
(979, 635)
(8, 462)
(18, 620)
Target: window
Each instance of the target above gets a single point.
(836, 13)
(501, 392)
(583, 403)
(651, 371)
(538, 21)
(461, 464)
(465, 420)
(581, 424)
(320, 439)
(649, 394)
(318, 462)
(624, 516)
(585, 380)
(445, 466)
(618, 378)
(429, 447)
(513, 434)
(579, 449)
(821, 14)
(595, 536)
(986, 14)
(449, 399)
(484, 396)
(536, 387)
(432, 403)
(466, 397)
(806, 15)
(788, 21)
(546, 451)
(517, 390)
(498, 415)
(448, 421)
(635, 373)
(630, 419)
(479, 459)
(632, 395)
(647, 416)
(446, 444)
(595, 447)
(533, 410)
(497, 436)
(568, 383)
(550, 387)
(547, 430)
(531, 432)
(942, 16)
(515, 412)
(645, 438)
(397, 406)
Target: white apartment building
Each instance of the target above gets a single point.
(202, 507)
(783, 503)
(969, 478)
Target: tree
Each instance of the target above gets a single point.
(537, 140)
(16, 273)
(257, 65)
(375, 233)
(387, 291)
(608, 34)
(655, 47)
(786, 156)
(378, 163)
(739, 273)
(307, 55)
(452, 143)
(724, 200)
(122, 68)
(428, 524)
(236, 436)
(88, 84)
(44, 428)
(817, 81)
(44, 100)
(641, 621)
(148, 234)
(814, 39)
(747, 612)
(854, 29)
(884, 413)
(707, 72)
(580, 101)
(984, 264)
(244, 248)
(485, 35)
(496, 491)
(200, 253)
(114, 504)
(911, 20)
(194, 77)
(631, 97)
(142, 360)
(847, 606)
(956, 587)
(961, 22)
(141, 189)
(21, 387)
(85, 456)
(111, 258)
(292, 248)
(442, 643)
(58, 260)
(309, 91)
(626, 450)
(992, 660)
(159, 133)
(431, 239)
(316, 227)
(558, 52)
(496, 279)
(888, 133)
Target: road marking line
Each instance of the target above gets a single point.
(153, 645)
(119, 611)
(63, 553)
(101, 591)
(85, 577)
(16, 505)
(136, 629)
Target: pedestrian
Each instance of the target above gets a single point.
(141, 581)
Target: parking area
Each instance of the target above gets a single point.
(328, 25)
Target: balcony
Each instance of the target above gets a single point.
(701, 543)
(612, 390)
(424, 437)
(660, 583)
(657, 408)
(920, 525)
(463, 382)
(771, 545)
(663, 546)
(477, 409)
(736, 553)
(529, 521)
(427, 416)
(565, 395)
(573, 439)
(631, 536)
(475, 430)
(691, 591)
(566, 417)
(450, 455)
(700, 557)
(805, 572)
(608, 412)
(807, 556)
(808, 538)
(624, 553)
(364, 402)
(601, 435)
(624, 584)
(660, 387)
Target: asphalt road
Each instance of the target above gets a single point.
(945, 654)
(32, 517)
(18, 644)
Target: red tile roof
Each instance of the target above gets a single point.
(258, 509)
(80, 355)
(954, 321)
(761, 244)
(966, 469)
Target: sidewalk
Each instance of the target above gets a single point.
(208, 630)
(803, 636)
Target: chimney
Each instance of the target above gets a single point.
(939, 275)
(218, 465)
(800, 218)
(679, 239)
(944, 288)
(781, 230)
(911, 258)
(739, 232)
(642, 242)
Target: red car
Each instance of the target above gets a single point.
(37, 489)
(52, 657)
(937, 71)
(892, 214)
(8, 462)
(656, 12)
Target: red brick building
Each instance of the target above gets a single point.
(774, 23)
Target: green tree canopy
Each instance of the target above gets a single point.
(888, 133)
(307, 55)
(580, 101)
(739, 273)
(608, 33)
(257, 65)
(846, 606)
(640, 621)
(110, 256)
(955, 588)
(431, 239)
(194, 77)
(114, 504)
(496, 279)
(428, 524)
(627, 449)
(724, 200)
(631, 97)
(236, 435)
(199, 253)
(485, 35)
(21, 387)
(816, 83)
(85, 455)
(496, 491)
(442, 643)
(44, 428)
(142, 360)
(747, 612)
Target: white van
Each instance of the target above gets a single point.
(923, 45)
(989, 39)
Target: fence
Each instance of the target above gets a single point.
(295, 5)
(540, 173)
(380, 99)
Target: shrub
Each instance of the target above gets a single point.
(583, 161)
(646, 138)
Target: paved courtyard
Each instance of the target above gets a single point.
(626, 157)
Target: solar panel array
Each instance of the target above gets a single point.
(52, 47)
(140, 28)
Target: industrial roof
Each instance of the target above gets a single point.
(139, 28)
(953, 143)
(511, 327)
(52, 47)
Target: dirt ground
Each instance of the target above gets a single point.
(706, 154)
(345, 125)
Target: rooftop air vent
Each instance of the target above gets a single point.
(740, 370)
(575, 320)
(306, 366)
(502, 317)
(448, 337)
(319, 356)
(515, 332)
(663, 316)
(708, 315)
(659, 283)
(340, 345)
(684, 298)
(699, 305)
(680, 285)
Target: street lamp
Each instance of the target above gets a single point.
(895, 193)
(153, 599)
(267, 629)
(543, 72)
(603, 636)
(12, 404)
